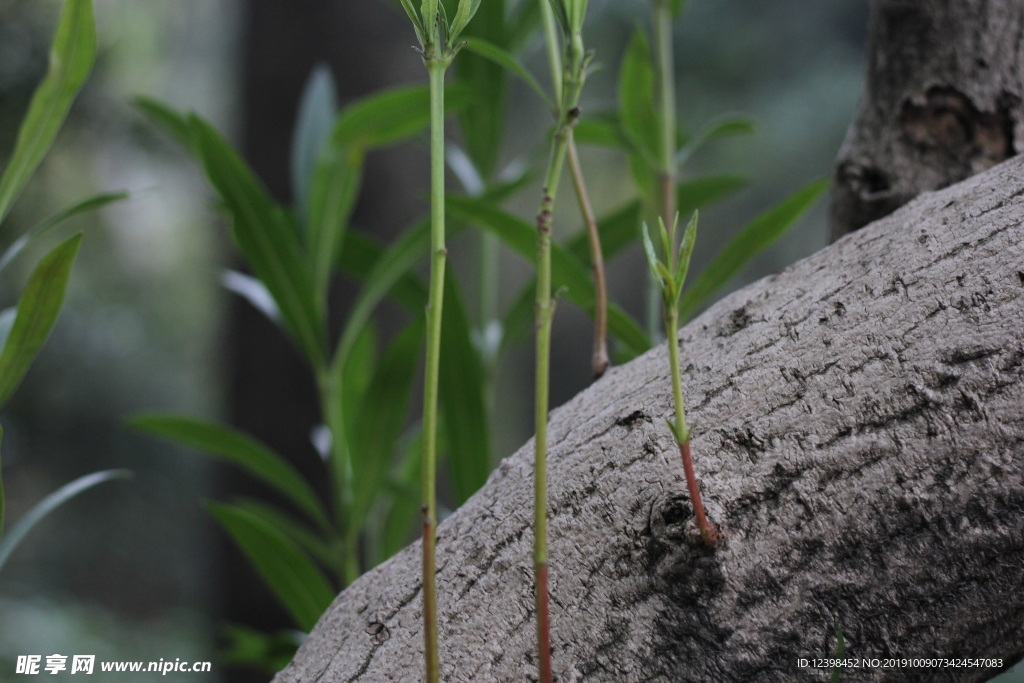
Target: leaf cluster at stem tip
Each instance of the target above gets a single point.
(435, 31)
(670, 274)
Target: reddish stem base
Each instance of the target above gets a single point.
(707, 532)
(543, 622)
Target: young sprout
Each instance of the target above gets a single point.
(438, 46)
(670, 275)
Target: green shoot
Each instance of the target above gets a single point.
(669, 275)
(568, 84)
(438, 47)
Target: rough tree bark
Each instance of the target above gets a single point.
(859, 430)
(944, 99)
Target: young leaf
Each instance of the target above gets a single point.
(467, 8)
(463, 401)
(414, 17)
(507, 61)
(239, 449)
(685, 252)
(652, 258)
(297, 583)
(49, 504)
(71, 59)
(266, 238)
(38, 231)
(37, 312)
(317, 110)
(381, 416)
(173, 123)
(636, 98)
(759, 234)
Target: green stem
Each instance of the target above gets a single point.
(707, 532)
(572, 84)
(436, 69)
(547, 16)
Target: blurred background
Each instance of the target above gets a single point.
(137, 570)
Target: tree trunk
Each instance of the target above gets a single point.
(858, 425)
(944, 99)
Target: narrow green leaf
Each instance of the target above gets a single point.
(381, 416)
(685, 252)
(317, 111)
(172, 122)
(293, 529)
(837, 671)
(636, 98)
(724, 126)
(297, 583)
(361, 257)
(652, 257)
(90, 204)
(520, 25)
(392, 265)
(37, 313)
(357, 373)
(467, 9)
(50, 503)
(758, 235)
(332, 198)
(482, 120)
(239, 449)
(266, 238)
(463, 401)
(71, 59)
(566, 270)
(414, 17)
(507, 61)
(391, 116)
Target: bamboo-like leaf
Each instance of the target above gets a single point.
(50, 503)
(357, 372)
(7, 317)
(361, 257)
(90, 204)
(293, 529)
(71, 59)
(721, 127)
(566, 270)
(296, 582)
(482, 120)
(652, 258)
(381, 416)
(335, 188)
(37, 312)
(759, 234)
(683, 258)
(266, 238)
(463, 401)
(507, 61)
(636, 98)
(172, 122)
(239, 449)
(392, 265)
(467, 8)
(414, 17)
(317, 111)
